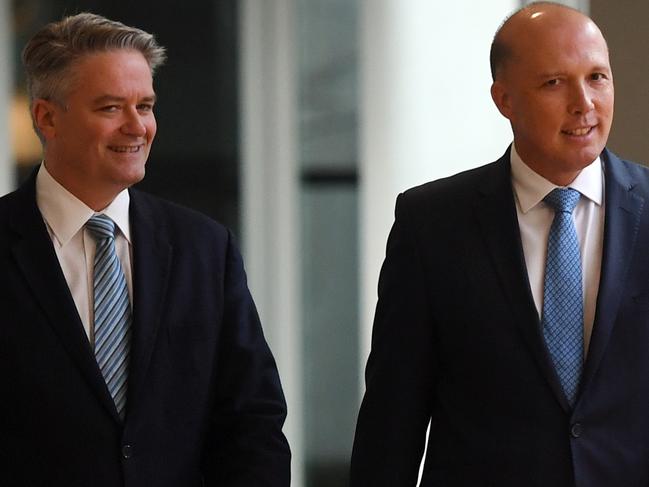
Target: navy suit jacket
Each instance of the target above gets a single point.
(204, 405)
(457, 341)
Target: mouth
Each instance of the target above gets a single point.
(126, 148)
(579, 131)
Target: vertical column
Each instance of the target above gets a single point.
(270, 192)
(327, 66)
(6, 92)
(426, 110)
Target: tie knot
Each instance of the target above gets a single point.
(562, 199)
(101, 227)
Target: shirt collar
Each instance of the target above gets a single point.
(531, 187)
(66, 214)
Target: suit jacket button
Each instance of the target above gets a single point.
(576, 430)
(127, 451)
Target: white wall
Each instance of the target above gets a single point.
(269, 192)
(426, 110)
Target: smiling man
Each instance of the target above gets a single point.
(512, 315)
(99, 136)
(131, 353)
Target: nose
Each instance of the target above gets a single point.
(133, 123)
(581, 100)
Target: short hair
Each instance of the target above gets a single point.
(51, 53)
(500, 51)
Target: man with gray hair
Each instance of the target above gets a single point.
(131, 353)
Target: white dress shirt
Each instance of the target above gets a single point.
(535, 218)
(65, 216)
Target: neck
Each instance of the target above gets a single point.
(95, 198)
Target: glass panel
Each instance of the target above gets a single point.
(327, 115)
(330, 320)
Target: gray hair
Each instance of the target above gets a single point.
(51, 53)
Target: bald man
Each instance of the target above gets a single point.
(513, 311)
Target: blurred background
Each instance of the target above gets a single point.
(296, 123)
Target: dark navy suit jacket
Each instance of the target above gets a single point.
(204, 406)
(457, 341)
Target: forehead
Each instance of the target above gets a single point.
(571, 41)
(122, 72)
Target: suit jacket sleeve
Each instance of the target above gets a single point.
(245, 445)
(400, 373)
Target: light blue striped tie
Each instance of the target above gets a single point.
(112, 311)
(563, 311)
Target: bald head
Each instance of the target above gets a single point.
(531, 23)
(553, 82)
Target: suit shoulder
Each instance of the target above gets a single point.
(6, 201)
(628, 173)
(457, 188)
(179, 220)
(17, 203)
(635, 168)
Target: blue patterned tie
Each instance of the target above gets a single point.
(112, 311)
(563, 314)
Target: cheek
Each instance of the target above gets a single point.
(609, 105)
(534, 114)
(151, 129)
(549, 118)
(97, 136)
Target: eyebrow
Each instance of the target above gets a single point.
(554, 74)
(602, 68)
(112, 98)
(557, 74)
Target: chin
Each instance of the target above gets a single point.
(136, 178)
(589, 155)
(126, 180)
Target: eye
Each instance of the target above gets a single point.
(598, 77)
(109, 108)
(145, 107)
(552, 82)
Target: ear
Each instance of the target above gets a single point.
(501, 98)
(44, 116)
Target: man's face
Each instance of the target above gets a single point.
(557, 92)
(98, 144)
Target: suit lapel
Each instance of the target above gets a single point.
(152, 253)
(496, 213)
(36, 259)
(623, 210)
